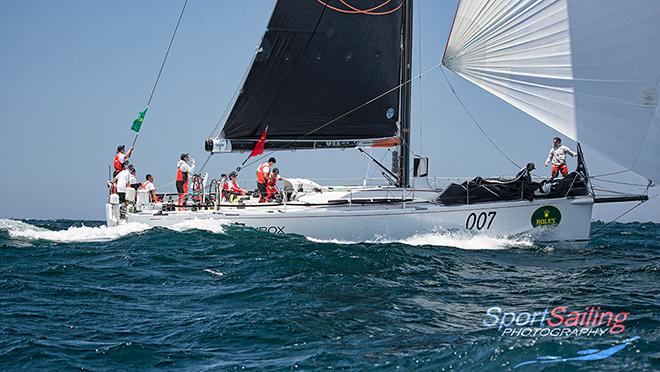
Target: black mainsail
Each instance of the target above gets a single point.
(320, 62)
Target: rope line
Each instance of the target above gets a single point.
(476, 123)
(354, 10)
(343, 115)
(162, 65)
(419, 66)
(201, 169)
(629, 210)
(234, 98)
(617, 182)
(611, 173)
(622, 214)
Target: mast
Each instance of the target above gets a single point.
(402, 160)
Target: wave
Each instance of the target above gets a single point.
(210, 225)
(447, 239)
(214, 272)
(331, 241)
(467, 241)
(23, 230)
(81, 234)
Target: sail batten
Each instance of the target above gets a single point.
(589, 69)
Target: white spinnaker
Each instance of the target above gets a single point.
(587, 68)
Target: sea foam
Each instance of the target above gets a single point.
(23, 230)
(210, 225)
(447, 239)
(466, 241)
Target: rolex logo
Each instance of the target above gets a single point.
(546, 216)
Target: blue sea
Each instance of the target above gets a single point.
(203, 296)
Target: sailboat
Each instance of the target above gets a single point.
(336, 74)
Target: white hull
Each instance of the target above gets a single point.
(395, 221)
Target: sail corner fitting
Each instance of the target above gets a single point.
(215, 145)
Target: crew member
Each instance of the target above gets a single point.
(122, 182)
(263, 175)
(231, 188)
(120, 159)
(148, 186)
(557, 157)
(182, 171)
(271, 184)
(133, 178)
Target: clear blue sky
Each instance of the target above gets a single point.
(75, 74)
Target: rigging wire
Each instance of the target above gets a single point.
(610, 174)
(162, 65)
(622, 214)
(382, 159)
(419, 66)
(476, 123)
(239, 86)
(344, 115)
(598, 188)
(646, 191)
(617, 182)
(201, 169)
(318, 22)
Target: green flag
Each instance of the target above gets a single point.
(137, 123)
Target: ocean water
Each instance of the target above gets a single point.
(203, 296)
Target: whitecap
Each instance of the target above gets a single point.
(330, 241)
(216, 273)
(467, 241)
(455, 239)
(206, 224)
(22, 230)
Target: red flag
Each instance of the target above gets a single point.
(259, 147)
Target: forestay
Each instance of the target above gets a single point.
(589, 68)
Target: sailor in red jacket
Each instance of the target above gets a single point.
(182, 171)
(120, 159)
(271, 184)
(231, 189)
(263, 175)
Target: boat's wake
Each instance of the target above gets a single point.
(22, 230)
(445, 238)
(81, 234)
(468, 241)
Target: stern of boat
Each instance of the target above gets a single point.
(112, 211)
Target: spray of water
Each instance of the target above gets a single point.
(81, 234)
(22, 230)
(210, 225)
(445, 238)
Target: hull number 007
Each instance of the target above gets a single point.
(480, 221)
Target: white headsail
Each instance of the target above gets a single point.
(587, 68)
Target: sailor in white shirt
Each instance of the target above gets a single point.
(133, 178)
(150, 188)
(557, 157)
(122, 180)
